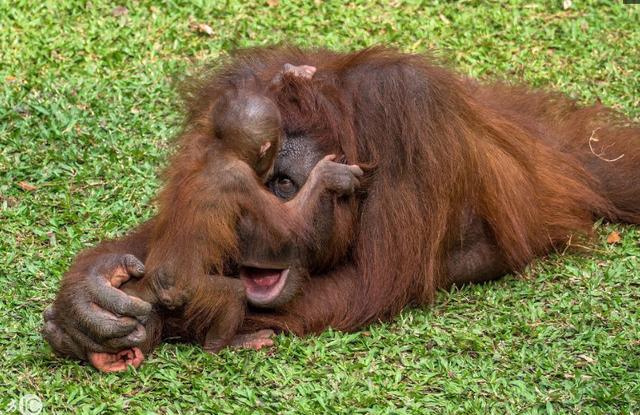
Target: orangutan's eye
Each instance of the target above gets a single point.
(283, 187)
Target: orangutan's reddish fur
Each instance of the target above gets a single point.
(436, 143)
(534, 167)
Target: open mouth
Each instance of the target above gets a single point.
(263, 285)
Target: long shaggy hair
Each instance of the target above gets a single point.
(534, 166)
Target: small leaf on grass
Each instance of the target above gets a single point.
(27, 186)
(119, 11)
(202, 28)
(589, 360)
(566, 4)
(613, 238)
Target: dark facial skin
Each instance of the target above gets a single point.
(298, 156)
(476, 255)
(295, 161)
(299, 161)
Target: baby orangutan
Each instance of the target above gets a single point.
(217, 179)
(196, 230)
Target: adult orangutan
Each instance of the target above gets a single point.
(463, 182)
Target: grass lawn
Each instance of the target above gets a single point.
(87, 112)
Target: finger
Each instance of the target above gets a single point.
(85, 342)
(103, 324)
(329, 157)
(164, 278)
(135, 357)
(302, 71)
(107, 362)
(117, 362)
(112, 268)
(118, 269)
(115, 300)
(49, 313)
(356, 170)
(264, 333)
(253, 344)
(60, 342)
(257, 340)
(133, 265)
(308, 70)
(135, 339)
